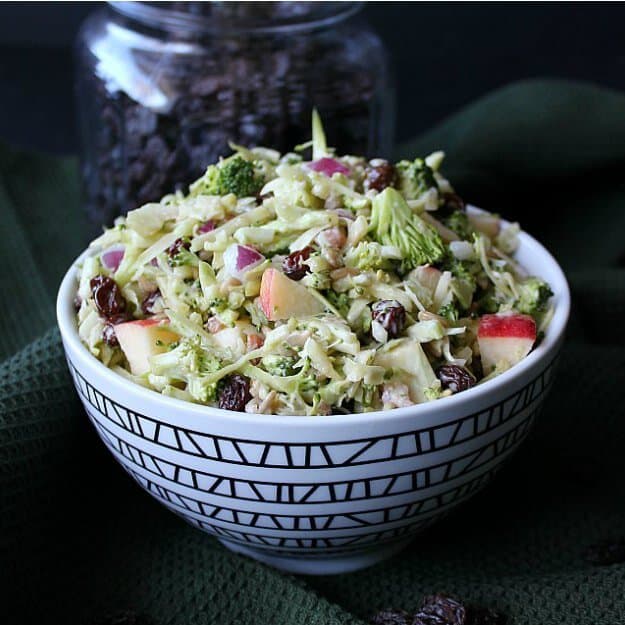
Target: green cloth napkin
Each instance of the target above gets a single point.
(79, 540)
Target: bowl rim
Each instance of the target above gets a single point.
(545, 352)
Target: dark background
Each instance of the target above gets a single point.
(445, 55)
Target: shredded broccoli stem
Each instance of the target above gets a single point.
(321, 291)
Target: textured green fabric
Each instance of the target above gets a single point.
(78, 539)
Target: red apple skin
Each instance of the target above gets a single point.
(144, 323)
(505, 338)
(514, 325)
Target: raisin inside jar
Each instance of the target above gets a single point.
(148, 136)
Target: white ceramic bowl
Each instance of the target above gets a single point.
(325, 494)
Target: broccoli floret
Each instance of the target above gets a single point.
(233, 175)
(488, 302)
(459, 223)
(340, 301)
(450, 311)
(367, 256)
(534, 294)
(461, 269)
(190, 362)
(393, 223)
(282, 366)
(415, 178)
(463, 283)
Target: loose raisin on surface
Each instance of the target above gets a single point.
(234, 392)
(147, 305)
(455, 378)
(107, 296)
(391, 315)
(380, 176)
(390, 617)
(606, 552)
(177, 246)
(440, 609)
(108, 333)
(477, 615)
(294, 266)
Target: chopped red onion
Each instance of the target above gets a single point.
(113, 257)
(329, 166)
(239, 259)
(207, 226)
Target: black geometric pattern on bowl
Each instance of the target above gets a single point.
(335, 454)
(376, 510)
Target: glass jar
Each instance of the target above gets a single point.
(163, 87)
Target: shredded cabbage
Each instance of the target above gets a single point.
(355, 249)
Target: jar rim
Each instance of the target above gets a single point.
(160, 14)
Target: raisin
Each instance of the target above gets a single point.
(261, 197)
(177, 246)
(440, 609)
(234, 392)
(380, 176)
(391, 315)
(477, 615)
(294, 266)
(107, 296)
(108, 333)
(262, 96)
(390, 617)
(455, 378)
(606, 552)
(452, 202)
(147, 305)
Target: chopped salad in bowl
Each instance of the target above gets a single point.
(288, 285)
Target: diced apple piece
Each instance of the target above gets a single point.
(485, 223)
(140, 340)
(232, 339)
(505, 337)
(428, 277)
(283, 298)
